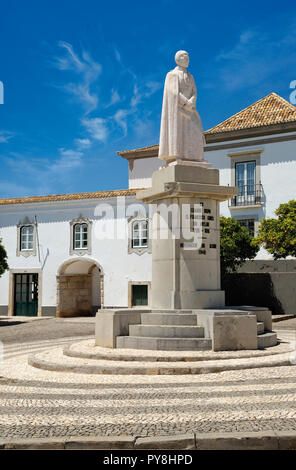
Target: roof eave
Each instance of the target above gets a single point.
(267, 129)
(145, 152)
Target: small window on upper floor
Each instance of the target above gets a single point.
(80, 236)
(27, 238)
(140, 234)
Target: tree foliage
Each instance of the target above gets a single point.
(3, 259)
(237, 245)
(279, 235)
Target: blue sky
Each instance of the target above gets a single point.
(84, 79)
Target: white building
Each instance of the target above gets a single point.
(63, 261)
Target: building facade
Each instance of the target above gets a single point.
(72, 254)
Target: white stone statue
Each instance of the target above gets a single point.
(181, 133)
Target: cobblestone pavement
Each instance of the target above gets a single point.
(46, 329)
(37, 403)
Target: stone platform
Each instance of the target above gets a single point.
(233, 328)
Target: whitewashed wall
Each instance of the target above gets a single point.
(140, 175)
(118, 266)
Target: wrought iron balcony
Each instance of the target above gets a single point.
(248, 195)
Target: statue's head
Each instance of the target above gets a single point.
(182, 58)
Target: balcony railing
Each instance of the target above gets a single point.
(248, 195)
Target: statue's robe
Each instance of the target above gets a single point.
(181, 133)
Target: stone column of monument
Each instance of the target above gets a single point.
(186, 196)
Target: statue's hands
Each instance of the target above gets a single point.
(189, 106)
(191, 102)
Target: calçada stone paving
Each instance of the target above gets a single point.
(39, 403)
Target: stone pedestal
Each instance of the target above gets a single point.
(185, 236)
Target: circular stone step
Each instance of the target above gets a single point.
(266, 340)
(87, 350)
(55, 360)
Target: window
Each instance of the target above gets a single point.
(27, 238)
(249, 224)
(139, 295)
(140, 234)
(245, 177)
(80, 236)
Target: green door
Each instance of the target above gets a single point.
(26, 294)
(139, 295)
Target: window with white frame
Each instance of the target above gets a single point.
(80, 234)
(246, 178)
(27, 238)
(140, 234)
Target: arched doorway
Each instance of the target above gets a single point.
(80, 288)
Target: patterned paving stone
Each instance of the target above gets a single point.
(39, 403)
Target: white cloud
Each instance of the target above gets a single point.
(86, 68)
(144, 92)
(68, 160)
(5, 136)
(82, 93)
(82, 143)
(120, 117)
(136, 97)
(115, 98)
(132, 91)
(117, 55)
(153, 87)
(96, 127)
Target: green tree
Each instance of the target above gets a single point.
(236, 245)
(3, 259)
(279, 235)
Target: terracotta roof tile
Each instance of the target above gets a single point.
(272, 109)
(143, 149)
(69, 197)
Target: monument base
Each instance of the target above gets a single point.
(163, 299)
(194, 163)
(228, 329)
(185, 235)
